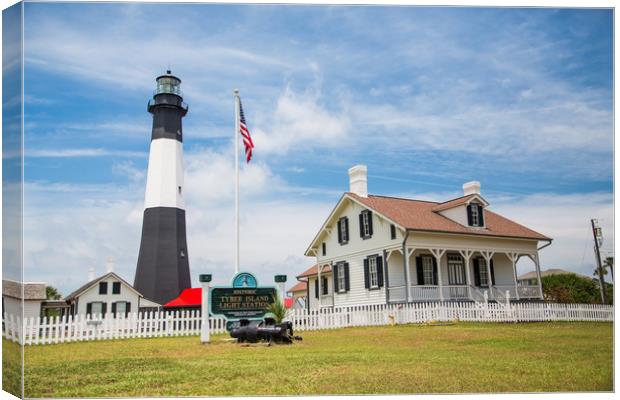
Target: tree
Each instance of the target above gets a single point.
(572, 288)
(278, 310)
(51, 293)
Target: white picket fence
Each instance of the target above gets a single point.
(182, 323)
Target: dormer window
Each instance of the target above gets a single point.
(474, 215)
(365, 224)
(343, 230)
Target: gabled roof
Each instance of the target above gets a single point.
(299, 287)
(92, 283)
(313, 270)
(420, 215)
(459, 201)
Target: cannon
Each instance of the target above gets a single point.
(264, 331)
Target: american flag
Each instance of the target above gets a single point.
(247, 139)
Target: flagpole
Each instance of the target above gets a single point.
(236, 139)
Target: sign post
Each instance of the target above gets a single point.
(281, 281)
(204, 308)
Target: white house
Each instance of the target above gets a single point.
(107, 294)
(377, 249)
(33, 296)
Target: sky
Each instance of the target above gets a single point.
(427, 98)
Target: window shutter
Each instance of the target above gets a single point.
(335, 269)
(392, 232)
(114, 309)
(369, 223)
(339, 231)
(324, 285)
(361, 216)
(481, 215)
(128, 309)
(492, 273)
(420, 270)
(89, 308)
(347, 285)
(316, 288)
(366, 277)
(346, 229)
(380, 271)
(469, 219)
(104, 307)
(435, 281)
(476, 272)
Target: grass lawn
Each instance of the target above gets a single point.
(462, 358)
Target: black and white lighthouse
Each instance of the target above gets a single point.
(163, 267)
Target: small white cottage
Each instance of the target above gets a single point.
(107, 294)
(378, 249)
(18, 297)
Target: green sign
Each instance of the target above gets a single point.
(243, 300)
(240, 303)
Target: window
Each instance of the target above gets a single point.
(475, 216)
(324, 287)
(182, 253)
(427, 269)
(343, 230)
(456, 271)
(180, 190)
(121, 308)
(392, 232)
(366, 224)
(483, 272)
(96, 308)
(324, 249)
(372, 272)
(342, 286)
(103, 287)
(116, 288)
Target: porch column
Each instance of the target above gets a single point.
(466, 254)
(318, 286)
(438, 253)
(488, 255)
(407, 274)
(534, 258)
(513, 258)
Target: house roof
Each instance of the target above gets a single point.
(191, 297)
(313, 270)
(90, 284)
(549, 272)
(31, 290)
(421, 216)
(299, 287)
(458, 201)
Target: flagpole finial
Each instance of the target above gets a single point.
(236, 92)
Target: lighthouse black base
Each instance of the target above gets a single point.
(163, 268)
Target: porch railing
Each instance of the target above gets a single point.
(424, 292)
(397, 294)
(455, 292)
(529, 292)
(327, 301)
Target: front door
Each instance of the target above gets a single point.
(456, 277)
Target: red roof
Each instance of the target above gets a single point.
(192, 297)
(313, 270)
(299, 287)
(419, 215)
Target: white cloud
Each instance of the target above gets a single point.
(82, 152)
(300, 121)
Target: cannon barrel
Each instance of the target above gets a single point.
(264, 331)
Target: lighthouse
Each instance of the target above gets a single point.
(163, 267)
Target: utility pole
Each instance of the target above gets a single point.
(596, 232)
